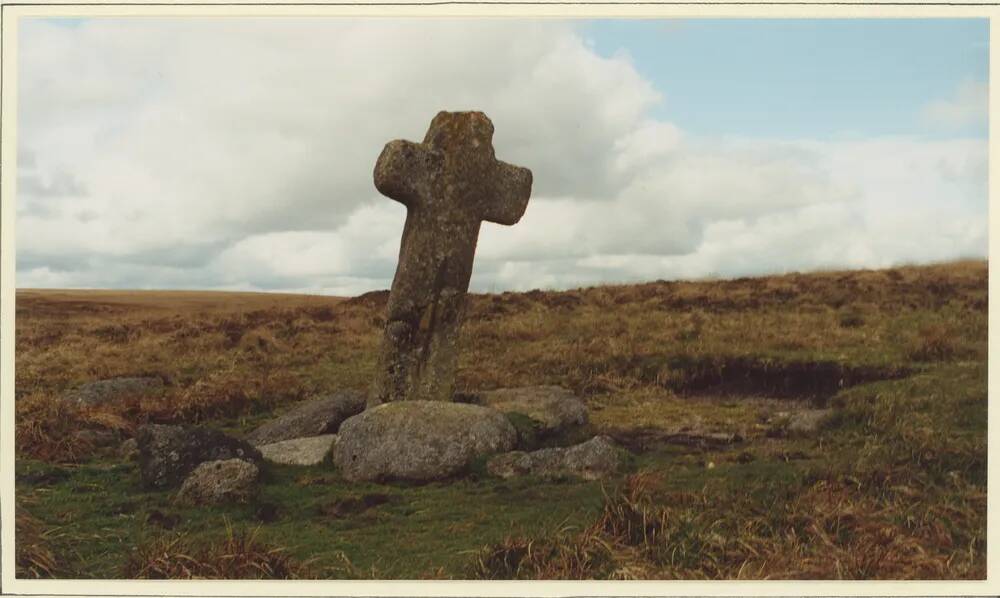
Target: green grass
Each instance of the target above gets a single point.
(102, 512)
(893, 486)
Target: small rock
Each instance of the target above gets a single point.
(419, 440)
(103, 391)
(808, 421)
(554, 407)
(167, 454)
(218, 482)
(314, 417)
(129, 450)
(299, 451)
(597, 458)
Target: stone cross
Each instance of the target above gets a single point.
(449, 184)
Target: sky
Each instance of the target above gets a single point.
(237, 154)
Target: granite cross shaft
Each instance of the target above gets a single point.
(449, 184)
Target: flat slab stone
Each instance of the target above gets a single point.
(554, 407)
(103, 391)
(219, 482)
(313, 417)
(639, 440)
(299, 451)
(595, 459)
(419, 440)
(808, 420)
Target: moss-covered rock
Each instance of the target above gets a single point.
(553, 407)
(314, 417)
(419, 440)
(220, 482)
(597, 458)
(167, 454)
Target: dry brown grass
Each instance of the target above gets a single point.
(561, 555)
(221, 356)
(34, 557)
(237, 355)
(935, 343)
(832, 529)
(899, 486)
(238, 555)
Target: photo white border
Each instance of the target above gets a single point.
(11, 12)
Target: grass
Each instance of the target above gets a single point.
(34, 557)
(240, 555)
(893, 486)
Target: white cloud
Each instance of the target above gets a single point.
(770, 207)
(968, 106)
(190, 129)
(238, 155)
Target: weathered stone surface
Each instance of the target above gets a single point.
(167, 454)
(102, 391)
(299, 451)
(419, 440)
(313, 417)
(554, 407)
(217, 482)
(597, 458)
(449, 184)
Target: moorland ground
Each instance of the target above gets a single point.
(891, 485)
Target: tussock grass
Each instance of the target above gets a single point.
(836, 528)
(238, 555)
(891, 487)
(34, 558)
(560, 556)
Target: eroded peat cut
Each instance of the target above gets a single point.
(827, 426)
(814, 381)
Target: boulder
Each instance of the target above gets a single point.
(419, 440)
(313, 417)
(299, 451)
(167, 454)
(218, 482)
(597, 458)
(103, 391)
(555, 408)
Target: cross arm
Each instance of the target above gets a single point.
(404, 171)
(511, 190)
